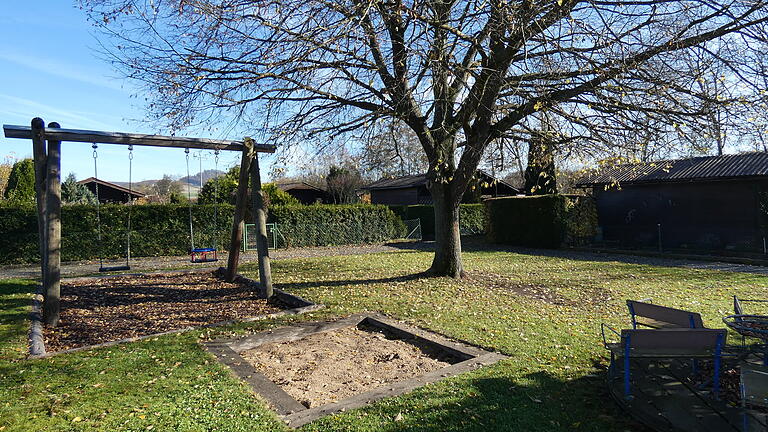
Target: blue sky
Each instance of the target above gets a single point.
(49, 68)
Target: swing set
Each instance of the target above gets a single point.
(197, 254)
(47, 162)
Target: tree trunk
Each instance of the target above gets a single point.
(447, 261)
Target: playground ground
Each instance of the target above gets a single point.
(542, 309)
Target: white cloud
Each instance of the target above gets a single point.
(62, 70)
(24, 109)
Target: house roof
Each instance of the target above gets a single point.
(420, 180)
(399, 182)
(112, 185)
(297, 185)
(702, 168)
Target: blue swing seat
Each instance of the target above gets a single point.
(203, 255)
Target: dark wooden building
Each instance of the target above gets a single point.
(703, 203)
(304, 192)
(410, 190)
(110, 193)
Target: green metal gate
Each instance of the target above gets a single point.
(250, 232)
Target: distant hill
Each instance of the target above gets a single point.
(194, 179)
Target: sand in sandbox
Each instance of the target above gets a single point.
(330, 366)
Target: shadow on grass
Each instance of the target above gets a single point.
(480, 244)
(14, 301)
(14, 312)
(291, 286)
(537, 401)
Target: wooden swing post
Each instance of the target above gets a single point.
(257, 201)
(52, 275)
(48, 194)
(238, 223)
(249, 170)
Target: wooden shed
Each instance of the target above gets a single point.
(411, 190)
(304, 192)
(110, 193)
(705, 203)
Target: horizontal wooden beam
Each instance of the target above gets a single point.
(99, 137)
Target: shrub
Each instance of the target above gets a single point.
(278, 197)
(157, 229)
(546, 221)
(580, 219)
(533, 221)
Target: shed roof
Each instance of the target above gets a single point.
(701, 168)
(112, 185)
(421, 180)
(294, 185)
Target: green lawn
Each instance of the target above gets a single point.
(543, 312)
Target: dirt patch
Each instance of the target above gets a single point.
(547, 294)
(495, 281)
(101, 310)
(327, 367)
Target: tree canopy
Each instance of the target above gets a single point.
(461, 74)
(222, 189)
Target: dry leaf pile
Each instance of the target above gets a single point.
(109, 309)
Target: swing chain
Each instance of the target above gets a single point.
(130, 205)
(98, 204)
(216, 202)
(189, 199)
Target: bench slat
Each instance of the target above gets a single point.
(662, 316)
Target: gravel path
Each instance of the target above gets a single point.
(82, 268)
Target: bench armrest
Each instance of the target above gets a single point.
(604, 326)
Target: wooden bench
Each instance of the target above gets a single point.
(683, 343)
(662, 317)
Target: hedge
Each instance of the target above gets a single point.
(546, 221)
(157, 229)
(328, 225)
(163, 229)
(580, 220)
(471, 218)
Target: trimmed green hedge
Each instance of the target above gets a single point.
(328, 225)
(163, 229)
(471, 218)
(157, 229)
(580, 220)
(546, 221)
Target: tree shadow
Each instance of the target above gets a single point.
(492, 400)
(303, 286)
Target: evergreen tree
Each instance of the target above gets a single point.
(73, 192)
(20, 188)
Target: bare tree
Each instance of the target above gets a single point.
(460, 73)
(393, 150)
